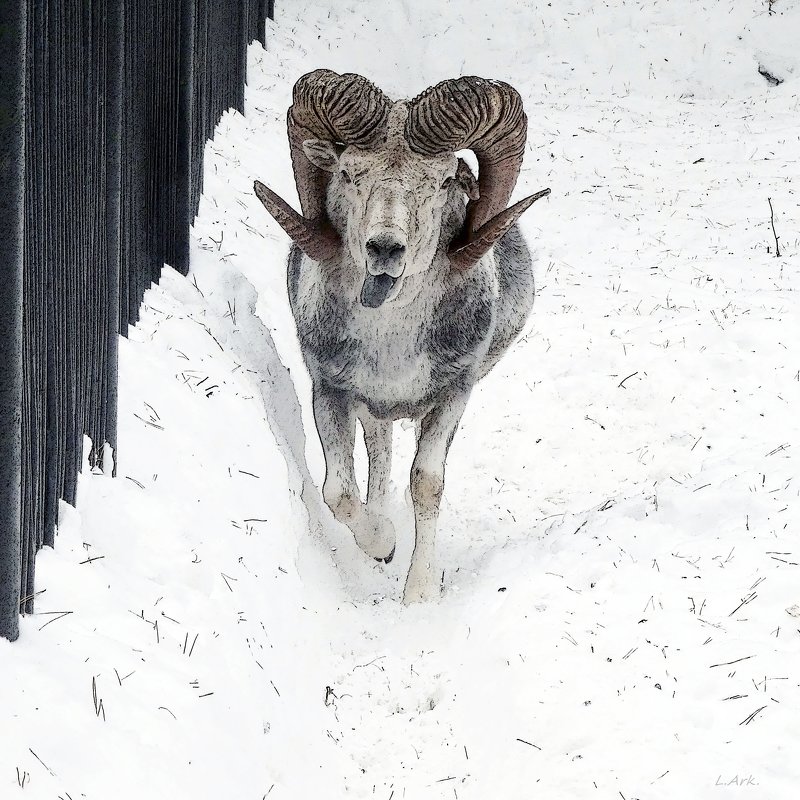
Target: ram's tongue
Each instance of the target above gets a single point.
(376, 289)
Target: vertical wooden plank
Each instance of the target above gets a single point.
(134, 244)
(12, 149)
(34, 317)
(69, 219)
(126, 235)
(242, 23)
(199, 99)
(53, 236)
(96, 264)
(114, 87)
(257, 14)
(182, 180)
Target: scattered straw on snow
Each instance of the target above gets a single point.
(619, 533)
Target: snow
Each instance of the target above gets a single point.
(618, 540)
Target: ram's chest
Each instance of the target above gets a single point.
(390, 366)
(399, 357)
(377, 354)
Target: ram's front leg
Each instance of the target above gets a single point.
(376, 536)
(436, 432)
(335, 419)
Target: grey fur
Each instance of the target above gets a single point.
(464, 329)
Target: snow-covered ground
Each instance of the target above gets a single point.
(619, 536)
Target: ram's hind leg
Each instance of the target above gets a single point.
(378, 439)
(436, 432)
(377, 535)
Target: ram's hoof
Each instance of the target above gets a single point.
(426, 593)
(375, 535)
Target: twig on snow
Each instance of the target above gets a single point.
(772, 222)
(61, 615)
(530, 744)
(745, 600)
(747, 720)
(98, 703)
(728, 663)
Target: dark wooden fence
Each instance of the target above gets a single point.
(105, 107)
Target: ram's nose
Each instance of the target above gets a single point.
(385, 255)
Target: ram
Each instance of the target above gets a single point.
(408, 278)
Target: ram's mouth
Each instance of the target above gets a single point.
(376, 289)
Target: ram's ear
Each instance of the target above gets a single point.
(466, 180)
(322, 154)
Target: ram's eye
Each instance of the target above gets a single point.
(346, 177)
(447, 182)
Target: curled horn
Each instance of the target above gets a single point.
(345, 109)
(464, 256)
(319, 241)
(486, 117)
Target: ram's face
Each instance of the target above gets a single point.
(376, 178)
(388, 206)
